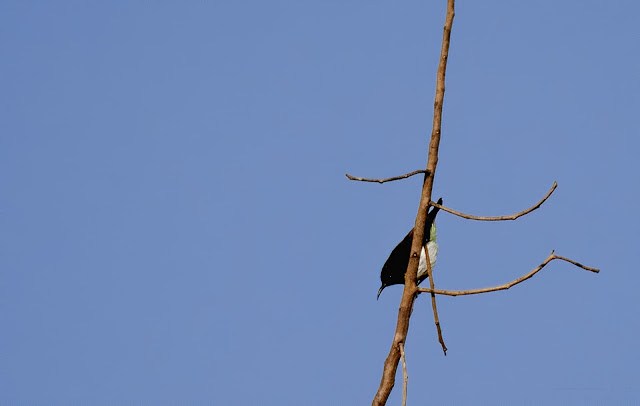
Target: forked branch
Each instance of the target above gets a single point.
(506, 286)
(407, 175)
(499, 218)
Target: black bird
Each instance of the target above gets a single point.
(396, 265)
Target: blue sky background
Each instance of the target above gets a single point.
(176, 226)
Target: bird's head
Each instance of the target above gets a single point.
(388, 277)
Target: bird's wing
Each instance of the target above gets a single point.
(395, 266)
(402, 251)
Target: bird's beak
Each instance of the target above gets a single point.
(380, 291)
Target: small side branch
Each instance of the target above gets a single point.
(499, 218)
(506, 286)
(433, 302)
(408, 175)
(405, 376)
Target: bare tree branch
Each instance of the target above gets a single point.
(411, 290)
(410, 278)
(550, 258)
(405, 376)
(433, 301)
(407, 175)
(500, 218)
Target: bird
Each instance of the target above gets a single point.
(396, 265)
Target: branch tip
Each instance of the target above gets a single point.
(406, 175)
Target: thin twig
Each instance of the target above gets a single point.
(410, 288)
(499, 218)
(550, 258)
(433, 301)
(405, 376)
(407, 175)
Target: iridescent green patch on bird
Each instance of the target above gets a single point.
(432, 233)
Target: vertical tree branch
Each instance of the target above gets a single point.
(410, 287)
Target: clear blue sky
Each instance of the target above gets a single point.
(176, 226)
